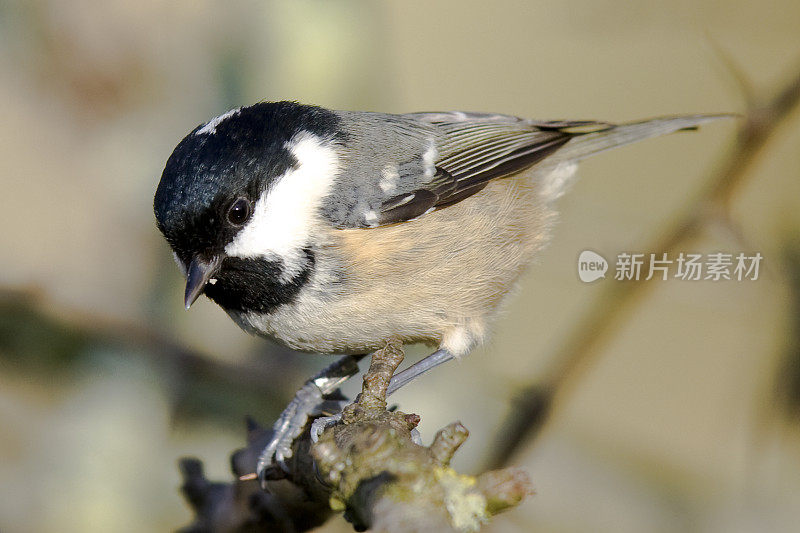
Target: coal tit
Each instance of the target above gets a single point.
(334, 231)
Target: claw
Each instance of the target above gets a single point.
(322, 423)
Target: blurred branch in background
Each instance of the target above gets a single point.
(538, 402)
(787, 378)
(36, 335)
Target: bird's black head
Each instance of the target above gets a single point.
(214, 186)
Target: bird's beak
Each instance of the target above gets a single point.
(197, 275)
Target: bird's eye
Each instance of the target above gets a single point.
(239, 212)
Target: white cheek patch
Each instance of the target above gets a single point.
(211, 127)
(286, 213)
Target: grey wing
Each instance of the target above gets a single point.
(428, 161)
(467, 151)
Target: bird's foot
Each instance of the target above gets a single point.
(313, 399)
(308, 403)
(286, 429)
(316, 397)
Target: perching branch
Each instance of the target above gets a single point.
(366, 465)
(537, 402)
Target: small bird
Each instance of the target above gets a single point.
(336, 231)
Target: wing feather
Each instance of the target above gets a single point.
(439, 159)
(472, 149)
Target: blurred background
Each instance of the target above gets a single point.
(687, 419)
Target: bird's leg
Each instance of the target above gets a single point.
(309, 400)
(398, 381)
(417, 369)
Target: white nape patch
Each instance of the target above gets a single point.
(389, 177)
(211, 127)
(429, 159)
(371, 218)
(180, 264)
(286, 213)
(556, 183)
(212, 281)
